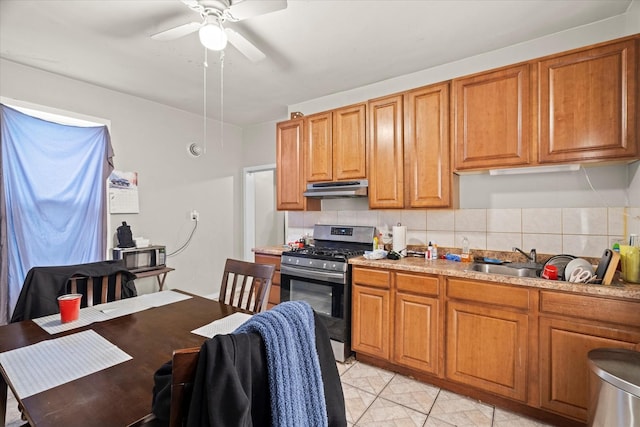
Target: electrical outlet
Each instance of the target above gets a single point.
(195, 215)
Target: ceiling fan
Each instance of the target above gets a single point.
(214, 13)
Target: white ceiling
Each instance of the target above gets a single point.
(314, 47)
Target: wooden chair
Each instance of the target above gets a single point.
(246, 284)
(76, 282)
(183, 371)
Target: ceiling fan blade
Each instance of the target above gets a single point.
(249, 8)
(177, 32)
(244, 46)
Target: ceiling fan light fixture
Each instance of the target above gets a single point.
(213, 36)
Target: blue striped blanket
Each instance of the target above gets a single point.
(295, 379)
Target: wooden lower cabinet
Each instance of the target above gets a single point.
(487, 348)
(487, 342)
(574, 326)
(371, 315)
(519, 347)
(416, 335)
(274, 292)
(395, 317)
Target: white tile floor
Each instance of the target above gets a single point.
(378, 398)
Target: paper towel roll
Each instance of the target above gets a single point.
(400, 239)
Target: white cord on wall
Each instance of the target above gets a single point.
(186, 244)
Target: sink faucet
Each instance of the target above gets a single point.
(531, 256)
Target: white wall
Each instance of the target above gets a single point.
(151, 139)
(620, 26)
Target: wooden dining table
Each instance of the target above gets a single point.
(121, 394)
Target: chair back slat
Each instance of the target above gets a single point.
(91, 282)
(255, 283)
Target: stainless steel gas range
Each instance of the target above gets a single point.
(321, 275)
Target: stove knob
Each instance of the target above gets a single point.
(324, 265)
(297, 261)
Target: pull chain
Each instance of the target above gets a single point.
(204, 106)
(222, 99)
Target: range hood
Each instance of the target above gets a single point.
(337, 189)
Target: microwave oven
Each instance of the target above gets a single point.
(141, 259)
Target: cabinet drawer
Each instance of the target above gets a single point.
(586, 307)
(269, 259)
(424, 285)
(370, 277)
(489, 293)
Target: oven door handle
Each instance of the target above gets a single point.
(331, 276)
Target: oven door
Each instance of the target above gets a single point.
(331, 300)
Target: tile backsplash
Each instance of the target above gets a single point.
(575, 231)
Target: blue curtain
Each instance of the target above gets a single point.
(54, 202)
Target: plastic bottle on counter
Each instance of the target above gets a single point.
(465, 257)
(427, 254)
(434, 250)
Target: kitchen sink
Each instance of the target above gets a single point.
(503, 269)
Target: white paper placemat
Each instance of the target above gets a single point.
(226, 325)
(156, 299)
(110, 310)
(122, 307)
(53, 325)
(51, 363)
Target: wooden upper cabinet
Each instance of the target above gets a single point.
(386, 154)
(349, 143)
(290, 167)
(426, 144)
(492, 119)
(319, 145)
(587, 106)
(335, 143)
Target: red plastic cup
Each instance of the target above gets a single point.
(69, 307)
(550, 272)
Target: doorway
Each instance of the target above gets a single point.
(264, 225)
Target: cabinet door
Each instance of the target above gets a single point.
(487, 348)
(349, 143)
(290, 182)
(370, 321)
(274, 291)
(564, 369)
(588, 104)
(319, 147)
(386, 154)
(491, 114)
(426, 144)
(416, 332)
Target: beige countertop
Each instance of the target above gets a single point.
(618, 289)
(459, 269)
(271, 250)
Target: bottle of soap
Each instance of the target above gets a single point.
(427, 254)
(434, 250)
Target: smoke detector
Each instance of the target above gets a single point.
(194, 150)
